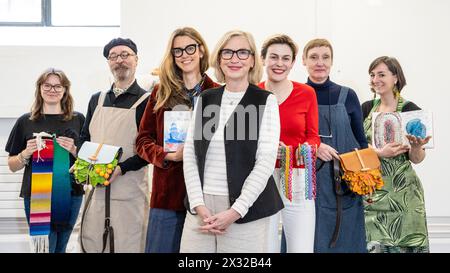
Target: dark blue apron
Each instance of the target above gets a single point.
(336, 131)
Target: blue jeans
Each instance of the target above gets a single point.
(58, 240)
(164, 231)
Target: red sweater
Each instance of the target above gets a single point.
(299, 117)
(168, 188)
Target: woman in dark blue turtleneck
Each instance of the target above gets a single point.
(328, 94)
(339, 218)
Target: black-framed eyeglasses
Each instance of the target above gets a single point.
(242, 54)
(48, 87)
(177, 52)
(124, 55)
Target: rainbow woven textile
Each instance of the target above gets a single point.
(50, 191)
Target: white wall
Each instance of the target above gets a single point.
(414, 31)
(151, 25)
(85, 67)
(21, 66)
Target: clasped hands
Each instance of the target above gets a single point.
(217, 223)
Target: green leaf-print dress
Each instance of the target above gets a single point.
(396, 221)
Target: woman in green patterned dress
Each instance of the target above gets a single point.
(395, 215)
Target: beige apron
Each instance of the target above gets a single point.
(129, 193)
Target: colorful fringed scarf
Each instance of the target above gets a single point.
(307, 156)
(308, 153)
(50, 190)
(286, 165)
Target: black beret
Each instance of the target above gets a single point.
(118, 42)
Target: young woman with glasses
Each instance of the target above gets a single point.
(182, 79)
(52, 112)
(299, 124)
(339, 218)
(230, 155)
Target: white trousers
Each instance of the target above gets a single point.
(298, 218)
(239, 238)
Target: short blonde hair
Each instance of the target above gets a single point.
(255, 73)
(317, 43)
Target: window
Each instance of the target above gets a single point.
(86, 12)
(60, 13)
(21, 12)
(58, 22)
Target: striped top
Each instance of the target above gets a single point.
(215, 176)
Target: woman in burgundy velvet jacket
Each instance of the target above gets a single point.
(182, 78)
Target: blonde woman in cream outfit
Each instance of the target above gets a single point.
(228, 175)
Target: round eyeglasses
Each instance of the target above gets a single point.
(48, 87)
(177, 52)
(124, 55)
(242, 54)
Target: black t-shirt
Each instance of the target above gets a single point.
(54, 124)
(367, 106)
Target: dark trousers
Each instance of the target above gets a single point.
(164, 231)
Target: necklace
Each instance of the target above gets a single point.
(282, 93)
(230, 101)
(231, 98)
(393, 108)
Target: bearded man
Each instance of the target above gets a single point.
(116, 221)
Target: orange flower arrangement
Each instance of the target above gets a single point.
(364, 182)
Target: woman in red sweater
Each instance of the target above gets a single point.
(299, 124)
(182, 78)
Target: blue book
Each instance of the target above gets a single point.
(176, 124)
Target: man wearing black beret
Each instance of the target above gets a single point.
(113, 118)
